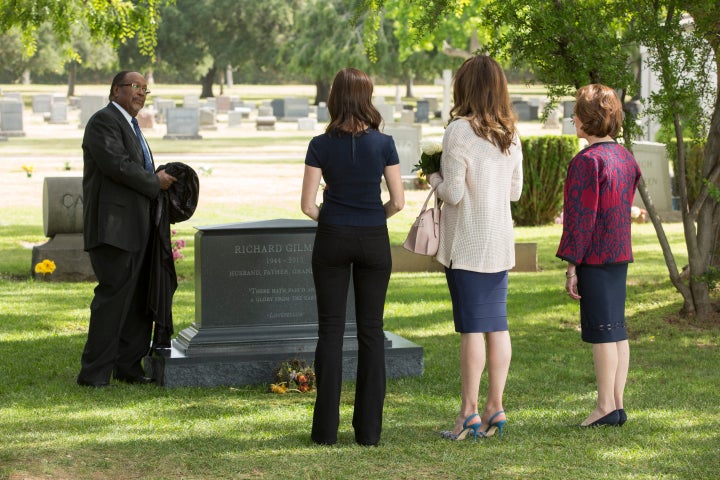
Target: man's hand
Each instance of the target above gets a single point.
(165, 179)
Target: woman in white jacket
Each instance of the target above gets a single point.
(481, 173)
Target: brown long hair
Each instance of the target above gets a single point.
(481, 96)
(599, 110)
(350, 103)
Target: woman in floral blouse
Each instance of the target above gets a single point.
(596, 243)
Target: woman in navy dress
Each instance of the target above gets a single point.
(353, 157)
(596, 243)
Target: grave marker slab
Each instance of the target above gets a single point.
(255, 307)
(407, 143)
(183, 123)
(11, 118)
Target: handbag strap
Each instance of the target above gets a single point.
(432, 191)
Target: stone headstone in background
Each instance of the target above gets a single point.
(63, 223)
(41, 103)
(235, 118)
(434, 106)
(58, 109)
(223, 104)
(183, 123)
(146, 118)
(278, 107)
(387, 112)
(89, 104)
(207, 118)
(191, 101)
(552, 120)
(422, 114)
(653, 161)
(210, 102)
(255, 307)
(11, 118)
(407, 142)
(290, 109)
(568, 108)
(322, 112)
(13, 96)
(522, 109)
(407, 117)
(296, 108)
(162, 105)
(306, 123)
(568, 127)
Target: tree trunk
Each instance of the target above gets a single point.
(322, 91)
(409, 79)
(72, 76)
(207, 83)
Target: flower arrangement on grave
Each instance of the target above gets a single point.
(429, 158)
(177, 246)
(46, 267)
(293, 376)
(28, 169)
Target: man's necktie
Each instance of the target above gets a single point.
(146, 152)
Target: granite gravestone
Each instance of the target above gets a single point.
(63, 223)
(183, 123)
(407, 143)
(11, 118)
(255, 308)
(41, 103)
(422, 114)
(89, 104)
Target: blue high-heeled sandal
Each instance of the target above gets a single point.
(495, 426)
(447, 434)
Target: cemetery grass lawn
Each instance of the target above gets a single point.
(52, 428)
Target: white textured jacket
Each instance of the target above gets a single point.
(479, 182)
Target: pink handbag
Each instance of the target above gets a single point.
(424, 235)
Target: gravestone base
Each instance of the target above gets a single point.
(175, 369)
(13, 133)
(182, 136)
(72, 263)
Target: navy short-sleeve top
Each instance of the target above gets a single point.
(352, 166)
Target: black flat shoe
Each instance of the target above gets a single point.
(623, 417)
(611, 419)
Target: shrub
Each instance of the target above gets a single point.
(694, 152)
(545, 162)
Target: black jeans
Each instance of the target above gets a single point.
(338, 252)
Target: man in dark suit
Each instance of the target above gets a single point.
(119, 183)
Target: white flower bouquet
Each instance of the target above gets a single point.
(429, 158)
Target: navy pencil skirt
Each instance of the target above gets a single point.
(602, 306)
(479, 300)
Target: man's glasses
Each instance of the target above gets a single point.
(135, 86)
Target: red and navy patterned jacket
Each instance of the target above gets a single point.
(599, 192)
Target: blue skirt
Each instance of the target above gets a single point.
(479, 300)
(602, 306)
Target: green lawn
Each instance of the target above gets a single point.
(51, 428)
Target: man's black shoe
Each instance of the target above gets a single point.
(83, 383)
(142, 380)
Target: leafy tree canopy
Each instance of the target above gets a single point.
(118, 20)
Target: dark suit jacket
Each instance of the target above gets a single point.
(117, 190)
